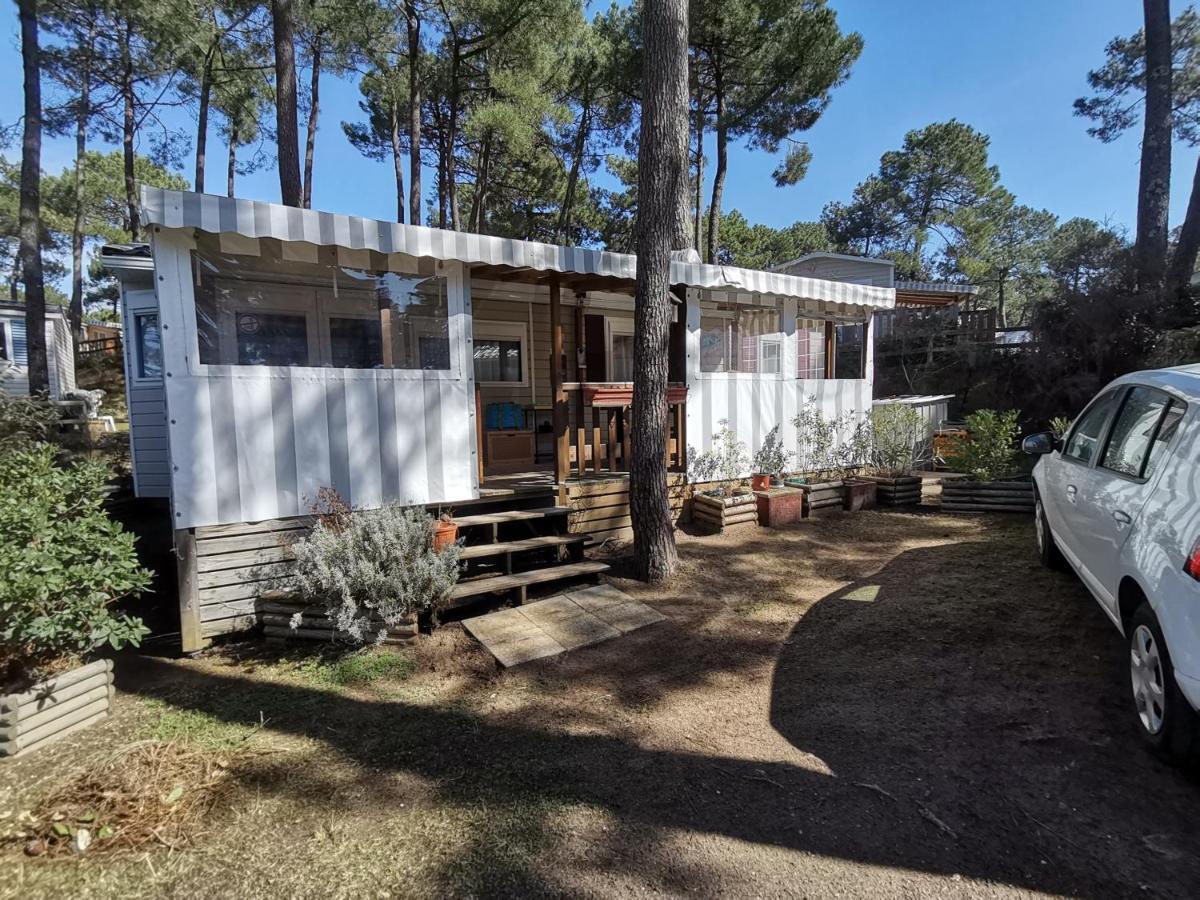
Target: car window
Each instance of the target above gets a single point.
(1089, 429)
(1166, 431)
(1134, 430)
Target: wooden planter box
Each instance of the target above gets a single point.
(965, 495)
(780, 506)
(859, 494)
(55, 708)
(718, 512)
(822, 495)
(902, 491)
(275, 616)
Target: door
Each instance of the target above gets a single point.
(1114, 492)
(1065, 475)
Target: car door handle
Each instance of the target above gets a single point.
(1072, 491)
(1123, 517)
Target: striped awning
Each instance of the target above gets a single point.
(256, 219)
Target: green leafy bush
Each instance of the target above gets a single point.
(24, 420)
(989, 450)
(899, 442)
(829, 445)
(771, 458)
(372, 569)
(63, 563)
(725, 460)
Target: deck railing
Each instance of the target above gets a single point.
(599, 443)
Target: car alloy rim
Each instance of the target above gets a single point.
(1146, 673)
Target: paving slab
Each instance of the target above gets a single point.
(560, 623)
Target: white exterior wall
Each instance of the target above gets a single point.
(836, 268)
(60, 353)
(249, 443)
(754, 404)
(147, 403)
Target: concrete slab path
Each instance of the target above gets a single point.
(560, 623)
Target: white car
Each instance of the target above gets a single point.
(1118, 498)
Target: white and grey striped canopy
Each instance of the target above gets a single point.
(256, 219)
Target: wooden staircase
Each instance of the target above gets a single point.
(507, 550)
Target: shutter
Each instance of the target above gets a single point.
(596, 354)
(20, 352)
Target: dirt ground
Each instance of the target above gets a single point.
(881, 704)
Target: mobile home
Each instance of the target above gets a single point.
(14, 361)
(274, 351)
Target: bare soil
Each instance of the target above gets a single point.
(876, 704)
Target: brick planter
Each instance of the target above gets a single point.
(964, 495)
(780, 506)
(275, 616)
(716, 513)
(902, 491)
(56, 707)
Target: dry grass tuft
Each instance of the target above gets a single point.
(146, 793)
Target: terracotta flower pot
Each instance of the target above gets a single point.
(444, 534)
(760, 482)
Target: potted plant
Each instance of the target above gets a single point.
(986, 458)
(362, 576)
(899, 444)
(820, 456)
(445, 531)
(853, 453)
(728, 502)
(63, 564)
(770, 460)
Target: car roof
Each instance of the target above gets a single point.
(1182, 379)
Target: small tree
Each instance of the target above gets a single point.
(726, 460)
(372, 569)
(899, 442)
(771, 458)
(63, 563)
(989, 449)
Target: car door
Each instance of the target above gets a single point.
(1064, 473)
(1112, 495)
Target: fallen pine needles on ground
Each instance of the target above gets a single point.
(146, 793)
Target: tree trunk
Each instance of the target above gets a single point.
(1183, 262)
(397, 164)
(479, 199)
(662, 193)
(82, 113)
(562, 231)
(313, 112)
(1154, 179)
(414, 113)
(31, 203)
(452, 138)
(129, 131)
(718, 189)
(697, 221)
(202, 118)
(287, 141)
(1001, 314)
(231, 165)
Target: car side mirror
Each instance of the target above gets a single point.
(1040, 444)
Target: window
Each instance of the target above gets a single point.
(732, 337)
(770, 356)
(620, 348)
(848, 348)
(16, 330)
(3, 341)
(148, 345)
(1166, 431)
(497, 360)
(1085, 436)
(810, 349)
(1136, 429)
(276, 304)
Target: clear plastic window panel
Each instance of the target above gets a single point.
(267, 303)
(733, 336)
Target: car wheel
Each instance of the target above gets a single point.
(1051, 556)
(1165, 719)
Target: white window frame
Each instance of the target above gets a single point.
(137, 358)
(776, 340)
(614, 325)
(488, 330)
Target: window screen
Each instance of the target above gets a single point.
(1085, 436)
(277, 304)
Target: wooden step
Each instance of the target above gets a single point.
(515, 515)
(535, 543)
(466, 589)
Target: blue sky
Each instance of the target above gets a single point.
(1010, 68)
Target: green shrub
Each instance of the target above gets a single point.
(898, 438)
(372, 569)
(24, 420)
(63, 562)
(725, 460)
(990, 449)
(771, 458)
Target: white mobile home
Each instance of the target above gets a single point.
(14, 361)
(273, 351)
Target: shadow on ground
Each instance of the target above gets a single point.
(967, 708)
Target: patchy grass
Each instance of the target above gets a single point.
(361, 668)
(194, 728)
